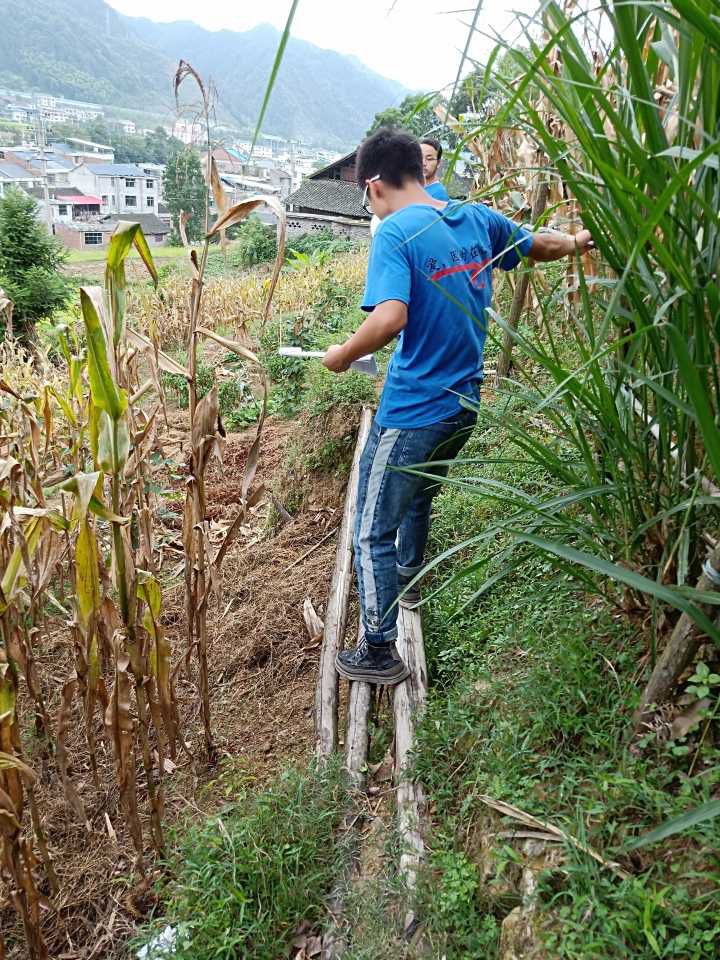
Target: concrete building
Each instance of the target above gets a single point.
(80, 151)
(122, 187)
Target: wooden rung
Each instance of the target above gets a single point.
(409, 700)
(326, 690)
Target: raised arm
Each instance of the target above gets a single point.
(552, 245)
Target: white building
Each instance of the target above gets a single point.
(122, 187)
(80, 151)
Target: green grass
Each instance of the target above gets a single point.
(89, 256)
(244, 879)
(532, 689)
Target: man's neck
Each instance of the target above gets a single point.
(410, 193)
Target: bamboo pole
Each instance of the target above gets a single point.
(357, 737)
(409, 701)
(326, 690)
(680, 649)
(521, 287)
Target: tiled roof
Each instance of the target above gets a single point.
(340, 197)
(11, 171)
(148, 221)
(116, 170)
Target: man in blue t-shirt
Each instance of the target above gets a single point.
(431, 156)
(429, 281)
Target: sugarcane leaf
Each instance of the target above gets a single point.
(631, 578)
(274, 72)
(687, 820)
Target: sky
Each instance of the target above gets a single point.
(416, 42)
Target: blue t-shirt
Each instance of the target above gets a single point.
(437, 191)
(439, 262)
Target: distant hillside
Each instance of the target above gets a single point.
(80, 49)
(85, 50)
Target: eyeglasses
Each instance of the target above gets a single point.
(365, 200)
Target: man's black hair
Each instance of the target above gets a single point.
(435, 144)
(393, 154)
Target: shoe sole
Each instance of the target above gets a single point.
(372, 676)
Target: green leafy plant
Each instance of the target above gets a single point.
(30, 261)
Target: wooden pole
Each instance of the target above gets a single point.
(326, 690)
(356, 737)
(521, 287)
(409, 701)
(680, 650)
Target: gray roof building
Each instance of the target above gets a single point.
(12, 171)
(334, 197)
(115, 170)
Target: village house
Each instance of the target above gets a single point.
(122, 187)
(84, 151)
(96, 234)
(14, 177)
(55, 168)
(329, 199)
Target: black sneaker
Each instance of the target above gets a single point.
(411, 597)
(371, 664)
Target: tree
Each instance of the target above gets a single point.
(415, 114)
(30, 259)
(185, 191)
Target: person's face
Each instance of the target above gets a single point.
(430, 161)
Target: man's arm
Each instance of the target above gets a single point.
(554, 246)
(385, 322)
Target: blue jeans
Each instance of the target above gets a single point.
(393, 513)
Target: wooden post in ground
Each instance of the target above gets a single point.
(409, 700)
(521, 288)
(680, 649)
(326, 691)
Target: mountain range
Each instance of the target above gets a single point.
(85, 50)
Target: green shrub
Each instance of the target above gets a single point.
(30, 259)
(177, 386)
(255, 243)
(319, 240)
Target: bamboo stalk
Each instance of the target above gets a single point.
(326, 690)
(521, 287)
(409, 700)
(678, 653)
(356, 736)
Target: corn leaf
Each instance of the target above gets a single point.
(105, 393)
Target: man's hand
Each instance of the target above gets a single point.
(335, 359)
(584, 241)
(553, 245)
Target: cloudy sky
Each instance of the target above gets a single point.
(417, 42)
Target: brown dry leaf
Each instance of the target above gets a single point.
(65, 721)
(231, 345)
(684, 723)
(314, 624)
(515, 813)
(182, 227)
